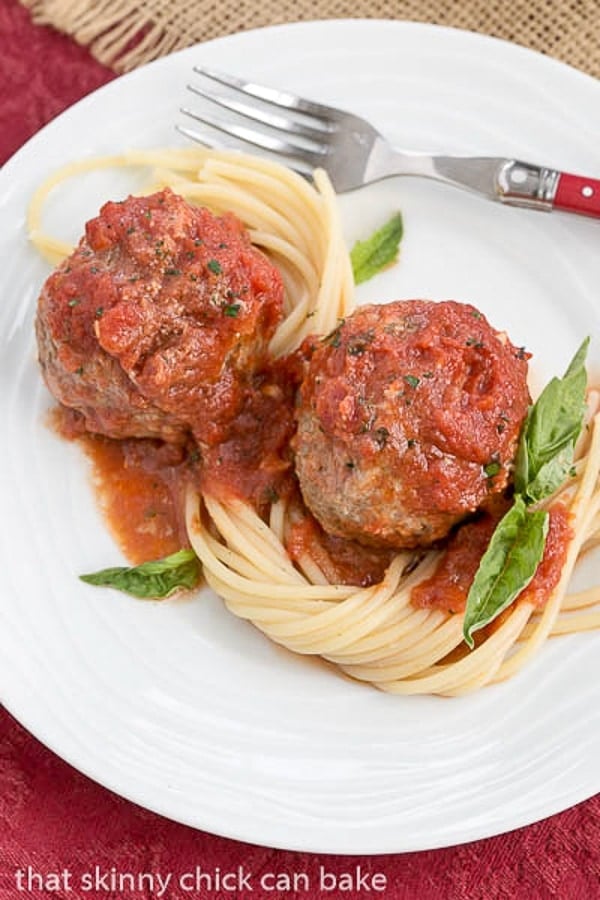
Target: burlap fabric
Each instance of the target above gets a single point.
(126, 33)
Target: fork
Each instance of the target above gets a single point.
(310, 135)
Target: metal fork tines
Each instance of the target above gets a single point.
(307, 135)
(300, 130)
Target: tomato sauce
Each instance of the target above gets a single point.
(252, 460)
(139, 484)
(560, 534)
(341, 561)
(448, 587)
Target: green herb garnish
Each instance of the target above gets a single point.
(215, 266)
(507, 566)
(151, 580)
(334, 337)
(378, 251)
(492, 468)
(412, 380)
(545, 453)
(544, 460)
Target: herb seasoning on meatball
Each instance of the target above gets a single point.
(155, 323)
(408, 420)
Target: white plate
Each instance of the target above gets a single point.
(181, 707)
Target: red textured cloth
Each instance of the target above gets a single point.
(41, 73)
(57, 826)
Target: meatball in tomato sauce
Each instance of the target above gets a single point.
(408, 420)
(155, 323)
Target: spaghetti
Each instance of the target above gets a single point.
(374, 634)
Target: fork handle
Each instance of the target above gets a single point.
(538, 187)
(577, 194)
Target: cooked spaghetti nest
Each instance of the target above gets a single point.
(372, 634)
(375, 634)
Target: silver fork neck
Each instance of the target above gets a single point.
(384, 161)
(508, 180)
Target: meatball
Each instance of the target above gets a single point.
(155, 323)
(408, 420)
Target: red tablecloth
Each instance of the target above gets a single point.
(63, 836)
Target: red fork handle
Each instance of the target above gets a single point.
(577, 194)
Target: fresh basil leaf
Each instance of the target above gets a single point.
(521, 477)
(551, 475)
(151, 580)
(380, 250)
(577, 364)
(545, 453)
(506, 567)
